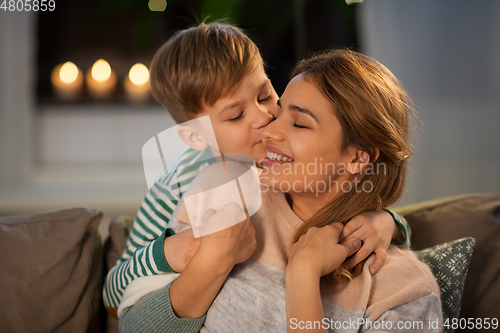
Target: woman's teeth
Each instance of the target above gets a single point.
(276, 157)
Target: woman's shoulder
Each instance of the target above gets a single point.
(402, 279)
(405, 264)
(403, 290)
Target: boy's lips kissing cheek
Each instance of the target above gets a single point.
(260, 151)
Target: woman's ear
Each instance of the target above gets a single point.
(192, 138)
(361, 160)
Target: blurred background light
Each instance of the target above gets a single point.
(67, 82)
(139, 74)
(101, 80)
(68, 72)
(136, 85)
(101, 70)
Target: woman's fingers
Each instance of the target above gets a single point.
(336, 228)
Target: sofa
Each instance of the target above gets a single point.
(53, 263)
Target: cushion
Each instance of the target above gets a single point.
(477, 216)
(51, 276)
(119, 229)
(449, 263)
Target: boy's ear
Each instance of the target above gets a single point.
(191, 137)
(361, 160)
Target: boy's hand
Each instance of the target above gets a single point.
(180, 248)
(375, 230)
(229, 246)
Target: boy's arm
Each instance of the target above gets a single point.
(377, 230)
(181, 306)
(402, 234)
(143, 254)
(194, 290)
(146, 261)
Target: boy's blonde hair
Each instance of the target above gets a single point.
(199, 65)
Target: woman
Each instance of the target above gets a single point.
(350, 113)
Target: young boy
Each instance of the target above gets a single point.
(215, 70)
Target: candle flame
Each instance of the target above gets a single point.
(101, 71)
(68, 73)
(139, 74)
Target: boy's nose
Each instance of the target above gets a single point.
(273, 132)
(273, 108)
(262, 118)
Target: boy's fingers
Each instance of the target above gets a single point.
(188, 233)
(208, 214)
(379, 262)
(358, 233)
(359, 256)
(351, 245)
(351, 227)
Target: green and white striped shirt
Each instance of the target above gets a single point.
(143, 254)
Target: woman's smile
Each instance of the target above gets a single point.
(276, 157)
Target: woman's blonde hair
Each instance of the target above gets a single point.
(374, 112)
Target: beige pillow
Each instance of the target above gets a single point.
(51, 275)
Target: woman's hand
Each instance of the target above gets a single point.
(318, 251)
(375, 230)
(315, 254)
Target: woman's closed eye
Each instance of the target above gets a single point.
(299, 126)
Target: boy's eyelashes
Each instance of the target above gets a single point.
(239, 116)
(264, 99)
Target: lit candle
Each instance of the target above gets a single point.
(137, 84)
(101, 80)
(67, 81)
